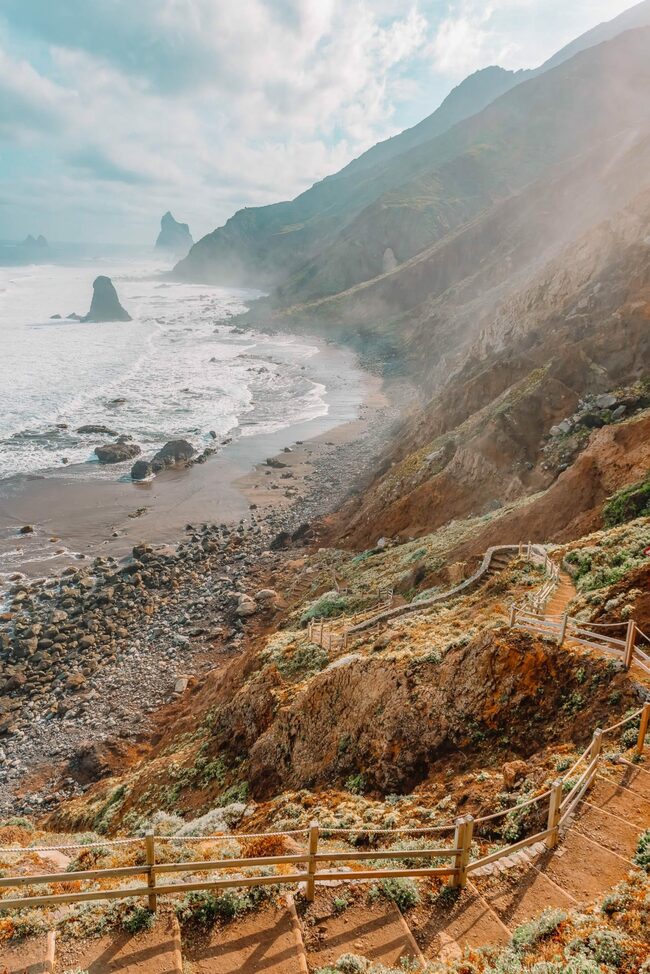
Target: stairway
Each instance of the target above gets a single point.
(564, 591)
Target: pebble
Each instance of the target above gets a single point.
(79, 653)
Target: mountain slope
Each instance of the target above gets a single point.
(266, 245)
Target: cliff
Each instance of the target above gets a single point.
(174, 237)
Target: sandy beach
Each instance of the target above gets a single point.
(75, 518)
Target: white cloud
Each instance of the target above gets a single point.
(211, 100)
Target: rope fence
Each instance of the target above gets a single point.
(561, 808)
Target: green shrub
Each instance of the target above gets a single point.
(327, 606)
(627, 504)
(137, 919)
(642, 855)
(356, 783)
(403, 892)
(306, 659)
(543, 926)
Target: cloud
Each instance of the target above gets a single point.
(132, 107)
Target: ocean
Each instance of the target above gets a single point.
(179, 369)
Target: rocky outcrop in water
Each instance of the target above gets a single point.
(105, 305)
(176, 451)
(174, 237)
(116, 452)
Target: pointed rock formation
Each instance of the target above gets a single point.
(174, 237)
(105, 305)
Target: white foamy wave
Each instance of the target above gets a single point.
(178, 369)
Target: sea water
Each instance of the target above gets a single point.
(179, 369)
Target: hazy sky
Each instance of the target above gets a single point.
(113, 111)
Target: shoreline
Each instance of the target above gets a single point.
(120, 632)
(76, 517)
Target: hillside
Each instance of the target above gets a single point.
(268, 245)
(400, 722)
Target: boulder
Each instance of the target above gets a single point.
(116, 452)
(606, 401)
(103, 430)
(105, 305)
(513, 771)
(176, 451)
(141, 470)
(174, 237)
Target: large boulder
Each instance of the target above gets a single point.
(174, 237)
(176, 451)
(116, 452)
(141, 470)
(105, 305)
(104, 430)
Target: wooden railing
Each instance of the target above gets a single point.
(560, 808)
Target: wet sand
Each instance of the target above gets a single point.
(74, 516)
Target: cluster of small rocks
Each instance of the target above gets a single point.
(569, 437)
(85, 656)
(596, 411)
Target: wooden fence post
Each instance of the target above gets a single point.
(463, 841)
(565, 619)
(311, 865)
(320, 638)
(596, 745)
(151, 863)
(629, 644)
(554, 811)
(643, 729)
(528, 551)
(513, 614)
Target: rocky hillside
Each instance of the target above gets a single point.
(405, 194)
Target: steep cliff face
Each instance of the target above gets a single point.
(174, 237)
(408, 194)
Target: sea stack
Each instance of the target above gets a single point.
(105, 305)
(174, 237)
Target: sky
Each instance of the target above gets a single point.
(114, 111)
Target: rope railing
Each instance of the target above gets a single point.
(560, 809)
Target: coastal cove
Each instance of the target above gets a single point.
(89, 517)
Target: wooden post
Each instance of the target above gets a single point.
(545, 560)
(513, 614)
(311, 865)
(345, 638)
(520, 548)
(462, 841)
(151, 863)
(596, 745)
(554, 811)
(320, 638)
(528, 551)
(643, 729)
(629, 644)
(565, 618)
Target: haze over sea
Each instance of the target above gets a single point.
(178, 369)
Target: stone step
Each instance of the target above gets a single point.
(265, 940)
(519, 895)
(445, 928)
(617, 800)
(609, 831)
(583, 868)
(376, 930)
(635, 779)
(32, 956)
(155, 951)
